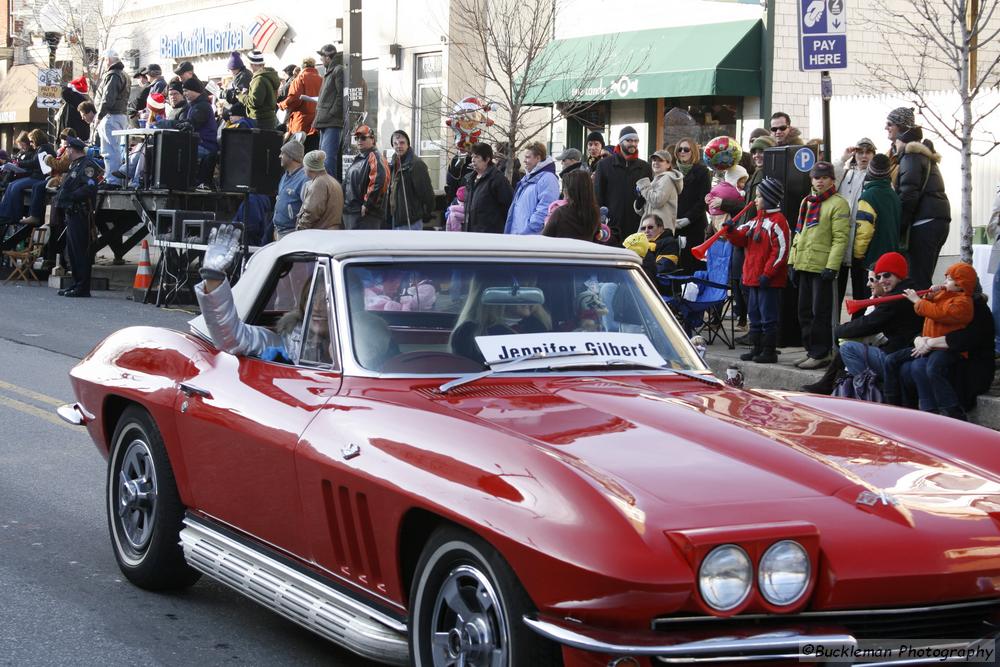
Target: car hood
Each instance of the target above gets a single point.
(661, 439)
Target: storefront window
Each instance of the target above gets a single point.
(428, 124)
(701, 118)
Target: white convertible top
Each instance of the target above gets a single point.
(386, 244)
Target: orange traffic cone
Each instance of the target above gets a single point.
(143, 275)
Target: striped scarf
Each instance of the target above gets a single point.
(809, 209)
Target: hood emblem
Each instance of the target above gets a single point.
(350, 451)
(872, 498)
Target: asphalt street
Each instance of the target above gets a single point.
(63, 600)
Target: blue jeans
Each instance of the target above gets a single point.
(12, 204)
(111, 146)
(853, 353)
(932, 375)
(995, 303)
(329, 143)
(762, 308)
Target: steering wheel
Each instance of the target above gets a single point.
(431, 361)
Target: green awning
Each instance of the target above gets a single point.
(711, 59)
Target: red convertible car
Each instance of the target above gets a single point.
(463, 449)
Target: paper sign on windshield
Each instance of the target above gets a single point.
(602, 346)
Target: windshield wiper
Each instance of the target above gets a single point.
(617, 362)
(509, 365)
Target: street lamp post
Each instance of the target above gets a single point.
(52, 39)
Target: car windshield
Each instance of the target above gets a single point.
(424, 317)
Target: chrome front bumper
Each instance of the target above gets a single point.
(771, 645)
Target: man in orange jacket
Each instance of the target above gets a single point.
(301, 103)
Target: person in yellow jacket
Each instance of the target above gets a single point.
(821, 236)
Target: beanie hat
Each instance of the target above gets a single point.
(154, 69)
(912, 134)
(255, 57)
(314, 160)
(235, 62)
(964, 275)
(80, 84)
(176, 85)
(761, 143)
(734, 174)
(628, 132)
(596, 136)
(879, 167)
(293, 150)
(771, 191)
(759, 132)
(238, 109)
(902, 117)
(193, 84)
(821, 169)
(156, 101)
(894, 263)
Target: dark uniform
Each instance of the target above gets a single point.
(76, 198)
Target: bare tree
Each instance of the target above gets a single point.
(931, 37)
(88, 28)
(503, 50)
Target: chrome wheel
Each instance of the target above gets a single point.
(136, 495)
(468, 624)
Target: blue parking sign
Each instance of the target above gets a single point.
(822, 34)
(824, 52)
(804, 159)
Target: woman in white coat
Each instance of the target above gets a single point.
(659, 195)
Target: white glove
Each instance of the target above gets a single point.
(223, 243)
(682, 223)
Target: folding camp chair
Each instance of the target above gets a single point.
(708, 314)
(23, 261)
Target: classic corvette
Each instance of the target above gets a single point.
(463, 449)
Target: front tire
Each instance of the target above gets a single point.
(466, 606)
(144, 508)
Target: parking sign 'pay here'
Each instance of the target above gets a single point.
(823, 34)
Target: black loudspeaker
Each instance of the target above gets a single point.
(171, 160)
(250, 158)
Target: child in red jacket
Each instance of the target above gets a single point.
(764, 269)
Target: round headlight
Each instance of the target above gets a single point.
(725, 577)
(784, 573)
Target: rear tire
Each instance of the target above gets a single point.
(144, 508)
(466, 606)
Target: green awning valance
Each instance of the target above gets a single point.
(711, 59)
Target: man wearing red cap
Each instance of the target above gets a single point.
(894, 321)
(73, 93)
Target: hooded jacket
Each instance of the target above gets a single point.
(945, 311)
(487, 200)
(534, 193)
(896, 320)
(322, 204)
(822, 245)
(878, 221)
(850, 188)
(661, 196)
(261, 99)
(330, 107)
(411, 194)
(201, 117)
(793, 138)
(920, 186)
(302, 112)
(614, 182)
(112, 96)
(766, 239)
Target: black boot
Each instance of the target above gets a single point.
(767, 354)
(825, 384)
(753, 338)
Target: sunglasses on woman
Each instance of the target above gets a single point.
(683, 149)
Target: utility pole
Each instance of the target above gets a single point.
(354, 90)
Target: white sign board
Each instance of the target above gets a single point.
(599, 346)
(49, 89)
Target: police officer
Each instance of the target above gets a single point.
(76, 197)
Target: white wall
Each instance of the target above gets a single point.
(593, 17)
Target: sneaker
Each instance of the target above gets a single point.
(810, 363)
(204, 187)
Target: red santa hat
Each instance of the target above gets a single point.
(80, 84)
(156, 102)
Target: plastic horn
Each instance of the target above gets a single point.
(699, 251)
(854, 306)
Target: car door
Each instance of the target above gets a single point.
(241, 417)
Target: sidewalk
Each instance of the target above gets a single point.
(784, 375)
